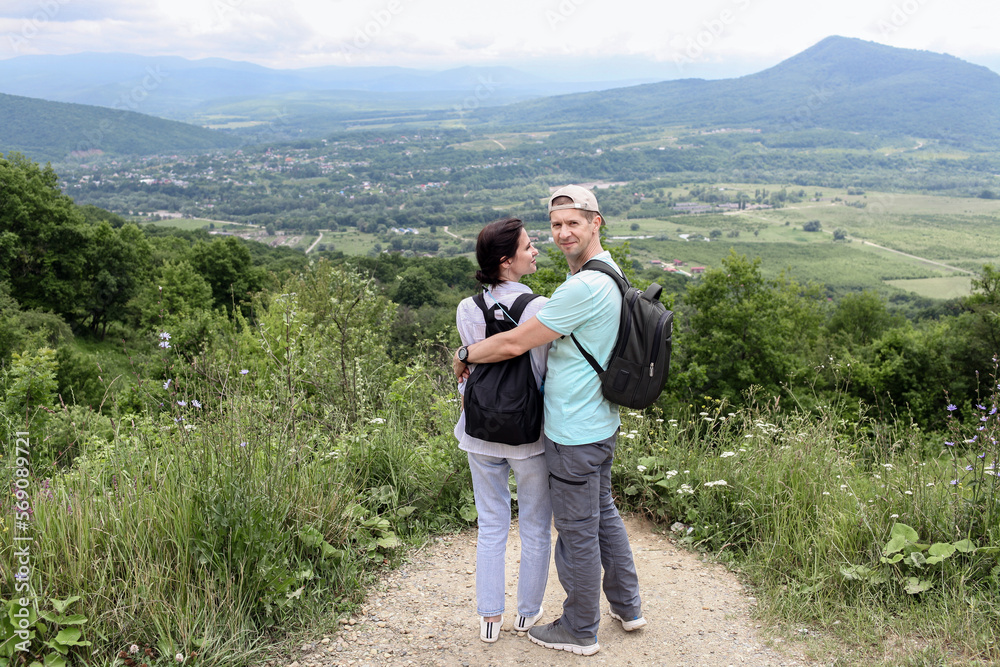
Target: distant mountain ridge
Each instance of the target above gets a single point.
(45, 130)
(170, 85)
(840, 83)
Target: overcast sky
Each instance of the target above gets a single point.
(672, 37)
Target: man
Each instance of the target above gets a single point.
(581, 427)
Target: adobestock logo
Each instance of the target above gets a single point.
(900, 15)
(482, 93)
(366, 34)
(696, 46)
(48, 10)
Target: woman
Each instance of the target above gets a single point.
(505, 253)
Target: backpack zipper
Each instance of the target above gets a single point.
(657, 334)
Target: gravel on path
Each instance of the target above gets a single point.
(424, 614)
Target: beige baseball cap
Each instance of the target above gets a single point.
(583, 199)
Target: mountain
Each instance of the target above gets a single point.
(840, 83)
(177, 88)
(45, 130)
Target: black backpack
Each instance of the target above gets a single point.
(502, 400)
(640, 361)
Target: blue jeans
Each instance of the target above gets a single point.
(591, 536)
(490, 477)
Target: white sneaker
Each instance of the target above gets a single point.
(489, 631)
(630, 625)
(522, 623)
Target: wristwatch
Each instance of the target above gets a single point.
(463, 354)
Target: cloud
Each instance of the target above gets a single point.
(73, 10)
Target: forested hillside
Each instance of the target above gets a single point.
(55, 130)
(839, 84)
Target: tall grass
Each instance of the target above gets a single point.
(855, 527)
(247, 496)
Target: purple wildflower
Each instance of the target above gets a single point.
(954, 482)
(182, 403)
(166, 385)
(195, 403)
(952, 407)
(243, 444)
(244, 372)
(950, 444)
(980, 407)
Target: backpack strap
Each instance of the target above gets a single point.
(514, 312)
(623, 284)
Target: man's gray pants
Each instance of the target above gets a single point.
(591, 534)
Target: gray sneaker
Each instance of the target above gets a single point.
(629, 624)
(554, 635)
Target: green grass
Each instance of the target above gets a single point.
(936, 288)
(803, 506)
(226, 499)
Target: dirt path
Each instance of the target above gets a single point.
(424, 614)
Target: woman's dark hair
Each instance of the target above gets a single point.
(496, 243)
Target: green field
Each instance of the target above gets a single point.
(935, 288)
(923, 244)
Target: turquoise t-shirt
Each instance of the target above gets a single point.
(588, 305)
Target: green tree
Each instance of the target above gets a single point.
(984, 305)
(860, 318)
(118, 263)
(227, 267)
(175, 294)
(415, 288)
(41, 235)
(745, 330)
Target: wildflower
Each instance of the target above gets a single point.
(983, 418)
(826, 493)
(982, 456)
(908, 493)
(893, 516)
(843, 486)
(703, 414)
(133, 649)
(195, 403)
(930, 483)
(685, 488)
(182, 403)
(179, 657)
(748, 435)
(244, 372)
(980, 407)
(641, 468)
(718, 482)
(164, 335)
(887, 466)
(165, 345)
(994, 410)
(659, 421)
(377, 420)
(952, 407)
(243, 444)
(670, 473)
(630, 436)
(166, 385)
(968, 468)
(950, 444)
(725, 455)
(954, 482)
(969, 442)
